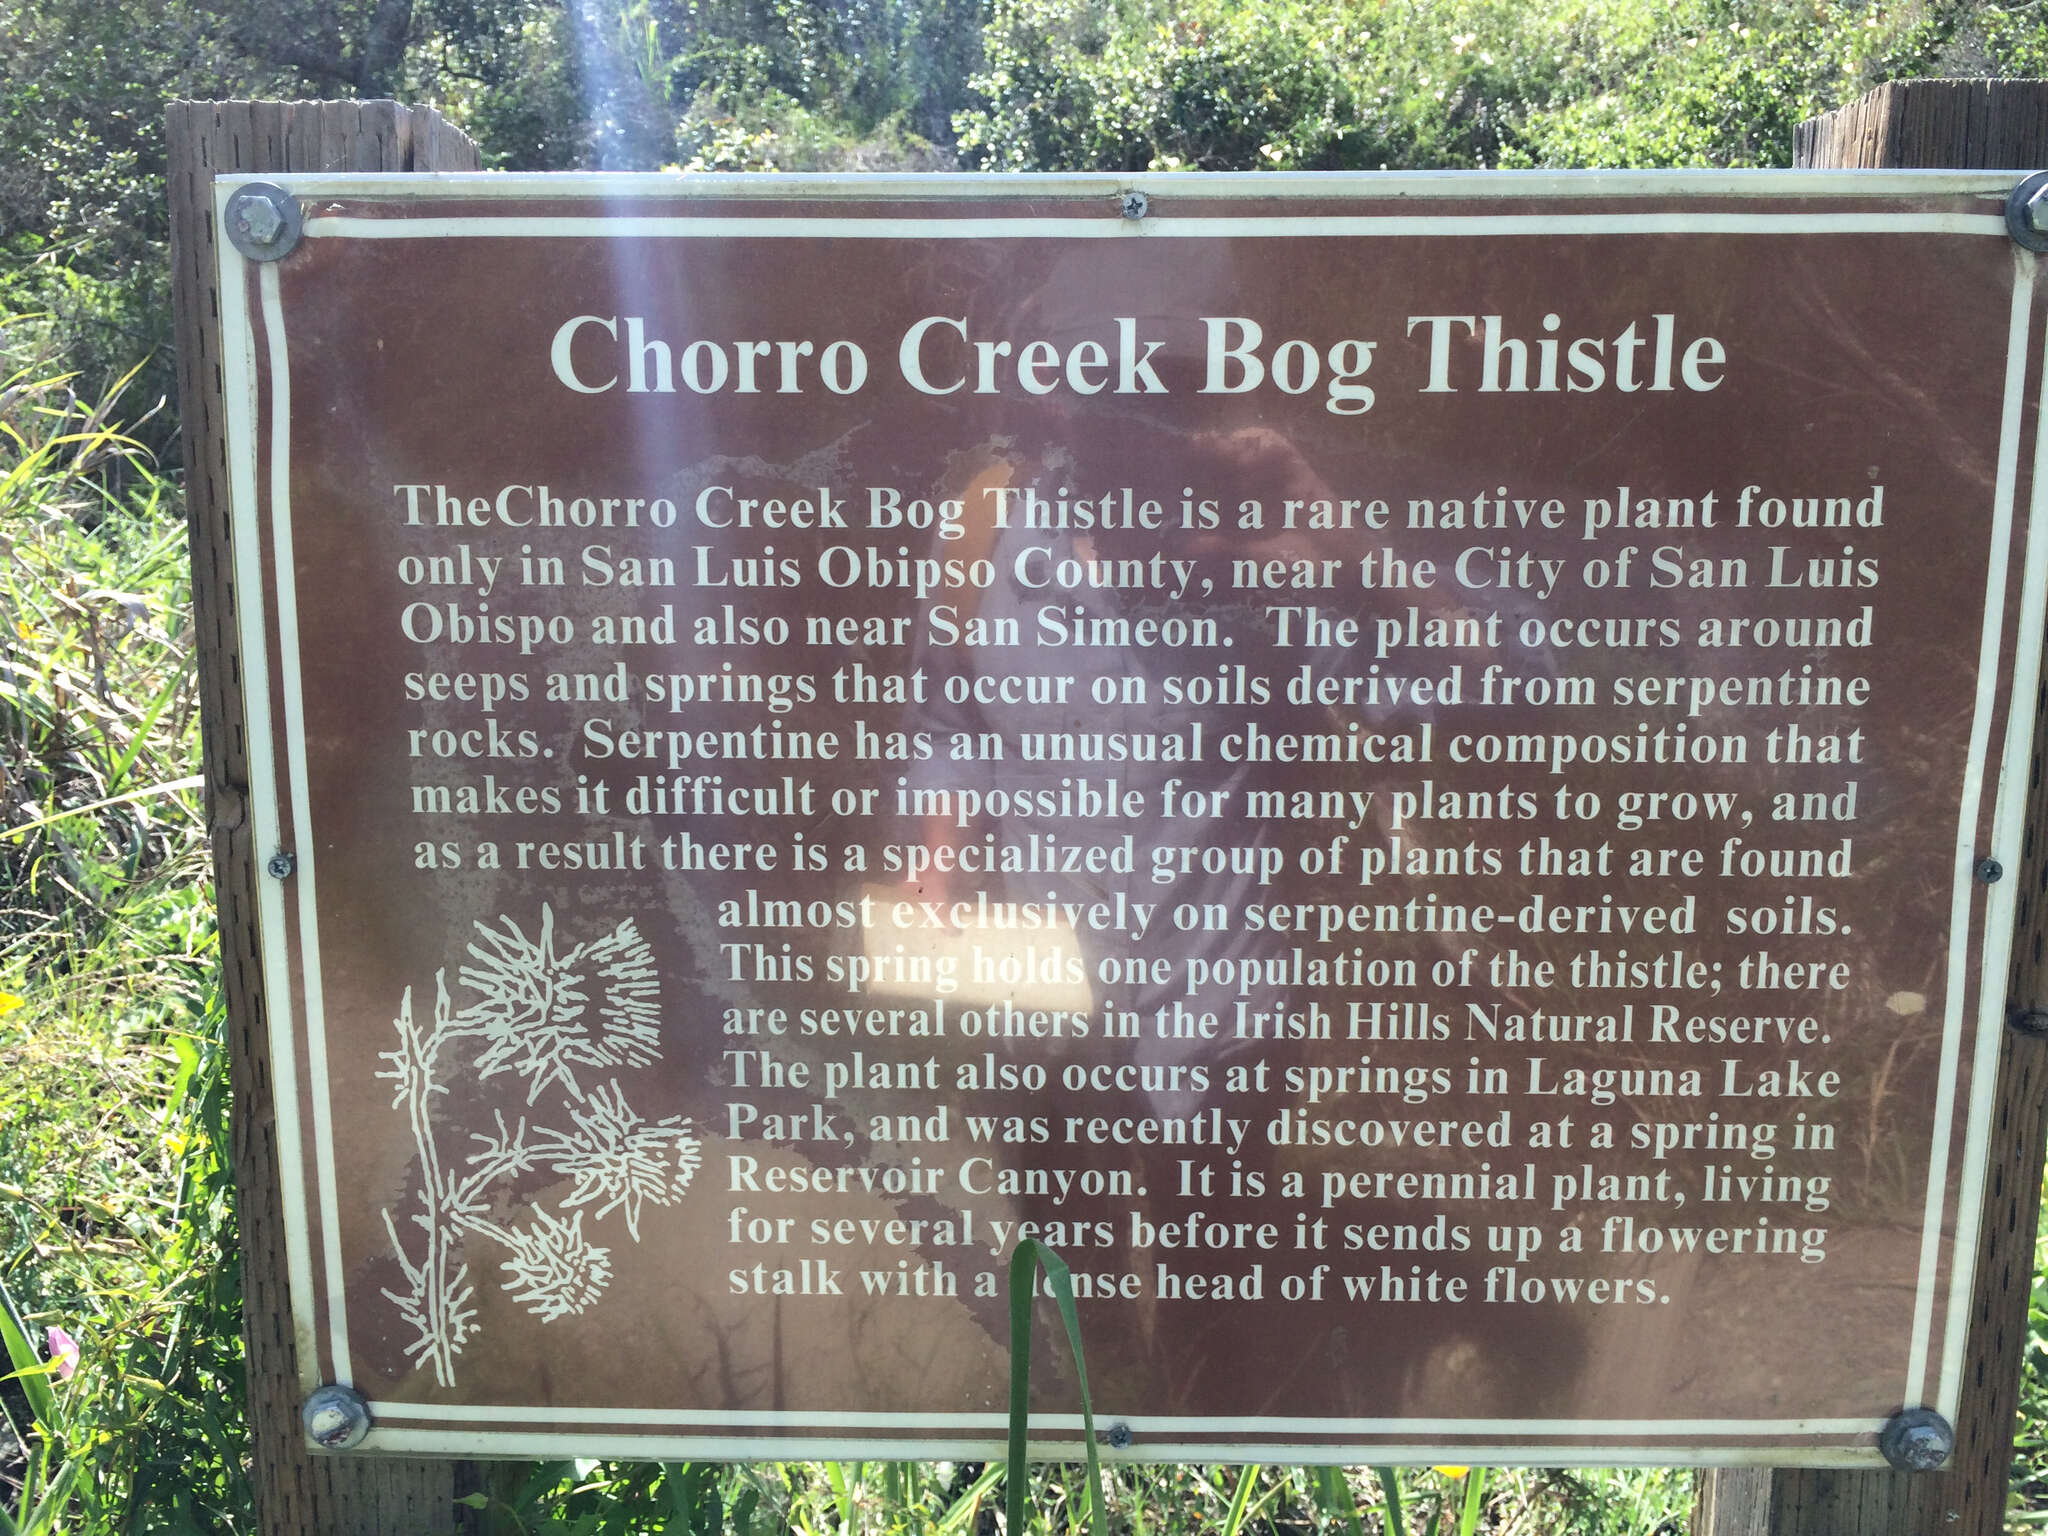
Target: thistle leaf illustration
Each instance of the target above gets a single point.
(412, 1062)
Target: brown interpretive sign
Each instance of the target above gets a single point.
(1413, 773)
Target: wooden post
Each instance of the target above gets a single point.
(296, 1492)
(1944, 125)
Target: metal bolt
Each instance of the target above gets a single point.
(2026, 1021)
(1916, 1440)
(263, 222)
(281, 865)
(2026, 212)
(1136, 205)
(259, 221)
(1990, 871)
(1118, 1435)
(336, 1418)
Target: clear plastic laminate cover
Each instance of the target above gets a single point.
(1396, 768)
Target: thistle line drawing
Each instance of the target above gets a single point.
(534, 1016)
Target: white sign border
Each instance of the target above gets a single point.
(402, 1428)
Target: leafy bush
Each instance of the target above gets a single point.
(83, 221)
(1137, 85)
(1725, 82)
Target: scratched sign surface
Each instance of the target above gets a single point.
(1397, 778)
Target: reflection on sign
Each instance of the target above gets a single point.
(1397, 779)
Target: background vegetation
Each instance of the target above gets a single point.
(119, 1309)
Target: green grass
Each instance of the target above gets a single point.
(916, 1499)
(116, 1221)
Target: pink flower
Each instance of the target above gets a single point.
(63, 1352)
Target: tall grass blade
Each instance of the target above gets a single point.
(1475, 1492)
(835, 1474)
(143, 729)
(170, 787)
(1331, 1491)
(1390, 1489)
(967, 1508)
(1234, 1521)
(46, 1518)
(1030, 1256)
(27, 1364)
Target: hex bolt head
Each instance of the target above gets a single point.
(2026, 212)
(281, 865)
(1136, 205)
(1916, 1440)
(2022, 1020)
(1118, 1435)
(1990, 871)
(336, 1418)
(263, 222)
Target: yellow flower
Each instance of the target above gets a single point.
(1452, 1471)
(9, 1002)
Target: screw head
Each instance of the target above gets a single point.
(1136, 205)
(1990, 871)
(262, 221)
(1916, 1440)
(1118, 1435)
(281, 865)
(336, 1418)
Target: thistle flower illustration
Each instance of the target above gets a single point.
(534, 1017)
(620, 1158)
(534, 1010)
(555, 1270)
(631, 1010)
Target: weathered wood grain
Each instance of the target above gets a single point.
(297, 1493)
(1937, 125)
